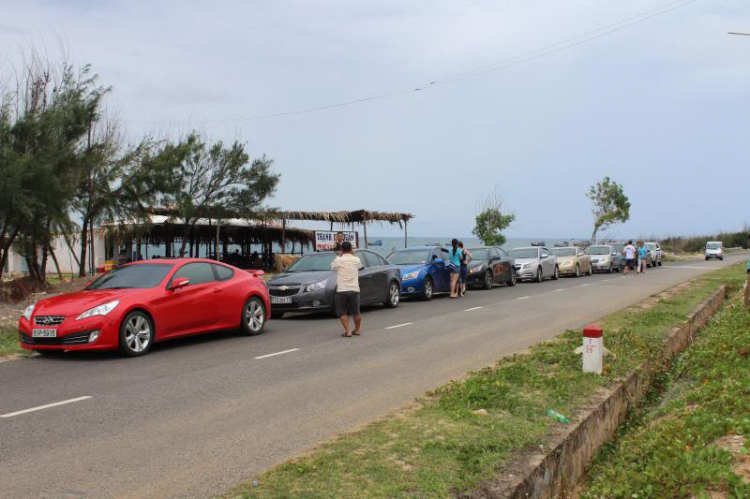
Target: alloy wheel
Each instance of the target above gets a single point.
(578, 271)
(428, 289)
(488, 280)
(137, 333)
(255, 316)
(394, 295)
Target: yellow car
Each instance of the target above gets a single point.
(573, 261)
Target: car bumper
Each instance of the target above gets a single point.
(412, 287)
(314, 301)
(569, 270)
(600, 266)
(73, 335)
(529, 273)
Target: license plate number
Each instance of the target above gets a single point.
(44, 333)
(281, 299)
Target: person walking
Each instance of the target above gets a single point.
(346, 302)
(641, 257)
(455, 254)
(629, 252)
(466, 257)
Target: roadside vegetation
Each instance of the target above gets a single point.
(697, 244)
(693, 437)
(464, 432)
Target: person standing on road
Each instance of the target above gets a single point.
(346, 302)
(455, 254)
(629, 252)
(641, 257)
(466, 257)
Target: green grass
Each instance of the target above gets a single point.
(441, 447)
(668, 450)
(9, 342)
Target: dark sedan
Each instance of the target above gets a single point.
(309, 285)
(490, 265)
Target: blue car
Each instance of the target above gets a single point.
(423, 271)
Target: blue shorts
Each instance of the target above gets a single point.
(464, 273)
(454, 269)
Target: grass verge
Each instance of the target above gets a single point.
(9, 342)
(693, 437)
(465, 431)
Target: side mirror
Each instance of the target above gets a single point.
(255, 273)
(179, 283)
(438, 260)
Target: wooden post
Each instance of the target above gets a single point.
(331, 226)
(364, 226)
(216, 242)
(406, 234)
(283, 236)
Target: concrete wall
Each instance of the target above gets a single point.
(16, 264)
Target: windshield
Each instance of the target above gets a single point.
(619, 247)
(651, 246)
(599, 250)
(313, 263)
(563, 251)
(480, 254)
(414, 257)
(143, 275)
(524, 253)
(713, 245)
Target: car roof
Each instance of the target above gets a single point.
(415, 248)
(528, 247)
(173, 261)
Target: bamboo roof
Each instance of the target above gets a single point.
(344, 217)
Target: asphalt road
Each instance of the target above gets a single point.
(196, 416)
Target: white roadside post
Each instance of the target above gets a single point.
(593, 349)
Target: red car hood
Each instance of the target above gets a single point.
(78, 302)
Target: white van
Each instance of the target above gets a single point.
(714, 249)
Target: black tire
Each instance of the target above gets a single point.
(578, 270)
(721, 258)
(428, 290)
(253, 317)
(610, 269)
(394, 295)
(539, 276)
(556, 273)
(136, 334)
(659, 263)
(591, 270)
(706, 258)
(489, 280)
(512, 281)
(277, 315)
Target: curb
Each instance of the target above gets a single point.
(554, 474)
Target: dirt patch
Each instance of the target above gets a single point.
(734, 445)
(10, 311)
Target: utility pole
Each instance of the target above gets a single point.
(738, 33)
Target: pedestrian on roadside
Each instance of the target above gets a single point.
(346, 302)
(466, 257)
(454, 265)
(641, 257)
(629, 252)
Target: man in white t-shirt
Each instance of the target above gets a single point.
(346, 302)
(629, 252)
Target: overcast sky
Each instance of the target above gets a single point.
(662, 107)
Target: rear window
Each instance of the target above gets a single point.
(142, 276)
(223, 273)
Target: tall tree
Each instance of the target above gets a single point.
(491, 221)
(42, 120)
(214, 180)
(610, 205)
(114, 180)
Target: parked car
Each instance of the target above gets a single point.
(423, 271)
(138, 304)
(714, 249)
(620, 248)
(606, 258)
(490, 265)
(654, 251)
(309, 284)
(534, 263)
(573, 261)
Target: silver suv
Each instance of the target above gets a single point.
(655, 252)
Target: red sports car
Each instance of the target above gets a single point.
(135, 305)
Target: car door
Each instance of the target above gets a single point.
(506, 265)
(229, 295)
(548, 262)
(440, 272)
(584, 259)
(377, 271)
(191, 308)
(494, 263)
(367, 274)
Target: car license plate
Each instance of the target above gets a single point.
(281, 299)
(44, 333)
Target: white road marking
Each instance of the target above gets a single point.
(524, 297)
(46, 406)
(587, 284)
(400, 325)
(470, 309)
(275, 354)
(560, 289)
